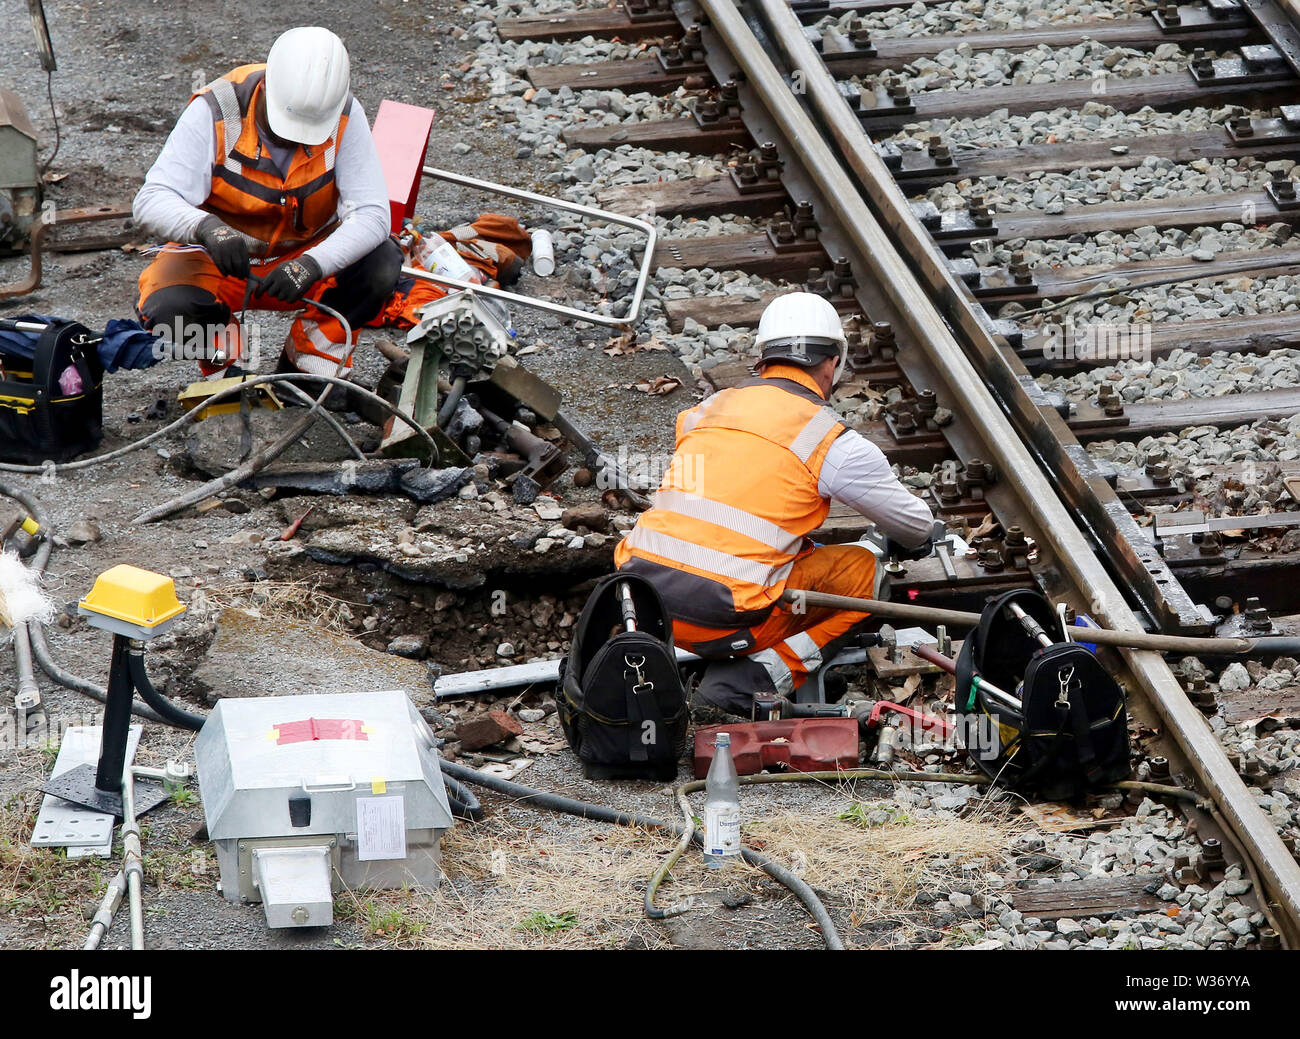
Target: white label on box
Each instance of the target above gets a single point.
(381, 828)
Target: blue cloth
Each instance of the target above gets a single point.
(125, 344)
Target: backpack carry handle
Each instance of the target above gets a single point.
(627, 606)
(1032, 628)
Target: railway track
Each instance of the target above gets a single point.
(872, 164)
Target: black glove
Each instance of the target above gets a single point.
(290, 281)
(895, 550)
(227, 247)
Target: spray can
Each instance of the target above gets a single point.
(543, 254)
(722, 807)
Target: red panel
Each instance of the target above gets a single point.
(320, 729)
(401, 134)
(794, 744)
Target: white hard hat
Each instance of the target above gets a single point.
(801, 328)
(307, 79)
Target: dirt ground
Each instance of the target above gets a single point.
(318, 612)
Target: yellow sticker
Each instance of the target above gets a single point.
(274, 734)
(378, 786)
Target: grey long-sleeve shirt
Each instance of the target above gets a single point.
(181, 179)
(856, 473)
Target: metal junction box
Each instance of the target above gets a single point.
(308, 795)
(20, 179)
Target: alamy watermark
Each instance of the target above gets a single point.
(1096, 340)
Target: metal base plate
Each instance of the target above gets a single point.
(78, 786)
(61, 824)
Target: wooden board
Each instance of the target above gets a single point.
(753, 253)
(1182, 212)
(1016, 161)
(1248, 704)
(1259, 334)
(708, 196)
(1156, 417)
(1060, 282)
(633, 75)
(1082, 899)
(1166, 91)
(678, 135)
(1135, 33)
(574, 25)
(712, 311)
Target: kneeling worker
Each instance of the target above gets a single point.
(271, 171)
(755, 469)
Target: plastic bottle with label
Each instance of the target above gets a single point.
(722, 807)
(439, 256)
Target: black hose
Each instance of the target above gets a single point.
(600, 813)
(464, 805)
(169, 712)
(453, 398)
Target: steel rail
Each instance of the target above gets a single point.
(1072, 553)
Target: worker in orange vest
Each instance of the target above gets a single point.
(270, 172)
(754, 472)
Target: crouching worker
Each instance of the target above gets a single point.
(754, 472)
(270, 172)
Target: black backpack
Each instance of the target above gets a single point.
(622, 704)
(38, 421)
(1071, 731)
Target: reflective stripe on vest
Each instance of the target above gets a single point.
(737, 503)
(286, 209)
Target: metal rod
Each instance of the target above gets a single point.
(1267, 646)
(643, 276)
(627, 606)
(929, 653)
(132, 859)
(103, 918)
(1032, 628)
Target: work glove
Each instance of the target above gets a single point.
(895, 550)
(290, 281)
(227, 247)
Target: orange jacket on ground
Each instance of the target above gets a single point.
(738, 501)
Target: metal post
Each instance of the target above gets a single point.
(117, 722)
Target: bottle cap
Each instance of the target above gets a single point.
(723, 739)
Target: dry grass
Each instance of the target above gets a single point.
(297, 600)
(514, 888)
(872, 870)
(522, 888)
(42, 892)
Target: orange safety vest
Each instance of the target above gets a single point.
(738, 501)
(286, 211)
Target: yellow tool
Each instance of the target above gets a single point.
(193, 396)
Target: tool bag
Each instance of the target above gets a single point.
(52, 404)
(1071, 733)
(622, 704)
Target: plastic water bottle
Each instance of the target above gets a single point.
(721, 808)
(438, 256)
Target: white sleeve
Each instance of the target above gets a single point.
(180, 178)
(856, 473)
(363, 198)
